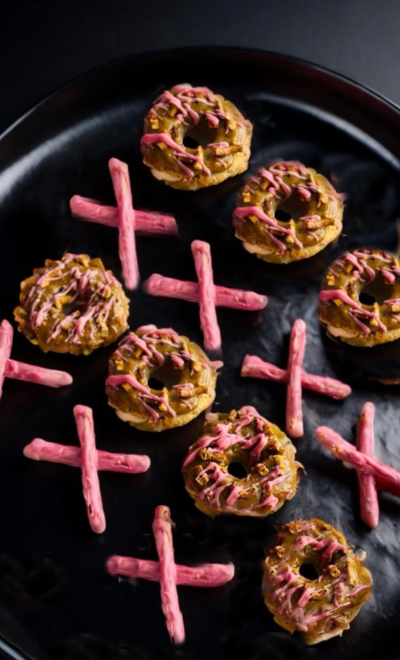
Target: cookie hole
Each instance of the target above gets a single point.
(366, 298)
(372, 293)
(77, 305)
(190, 142)
(199, 136)
(237, 470)
(165, 376)
(282, 215)
(309, 572)
(155, 384)
(290, 209)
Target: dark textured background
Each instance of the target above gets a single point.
(42, 46)
(45, 43)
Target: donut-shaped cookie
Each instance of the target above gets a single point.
(287, 212)
(220, 138)
(368, 274)
(318, 607)
(189, 379)
(72, 306)
(265, 453)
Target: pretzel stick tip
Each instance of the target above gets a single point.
(39, 375)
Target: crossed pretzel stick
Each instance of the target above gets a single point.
(205, 293)
(90, 460)
(295, 378)
(373, 474)
(125, 218)
(170, 574)
(21, 371)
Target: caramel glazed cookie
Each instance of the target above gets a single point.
(341, 312)
(313, 208)
(265, 453)
(221, 133)
(73, 305)
(188, 375)
(320, 607)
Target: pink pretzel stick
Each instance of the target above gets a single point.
(365, 443)
(158, 285)
(90, 479)
(207, 575)
(254, 367)
(38, 375)
(40, 450)
(146, 222)
(294, 413)
(169, 596)
(208, 316)
(6, 340)
(126, 222)
(387, 477)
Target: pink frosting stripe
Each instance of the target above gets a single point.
(245, 211)
(162, 529)
(357, 590)
(271, 501)
(206, 575)
(208, 317)
(126, 222)
(116, 380)
(329, 294)
(153, 138)
(233, 496)
(6, 340)
(40, 450)
(388, 275)
(90, 478)
(305, 597)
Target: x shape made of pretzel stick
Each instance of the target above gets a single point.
(170, 574)
(21, 371)
(205, 293)
(90, 460)
(125, 218)
(295, 378)
(372, 473)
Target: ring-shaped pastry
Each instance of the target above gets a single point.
(194, 138)
(73, 305)
(265, 454)
(186, 379)
(359, 301)
(318, 605)
(287, 212)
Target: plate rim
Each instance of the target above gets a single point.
(330, 73)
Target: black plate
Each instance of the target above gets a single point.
(56, 598)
